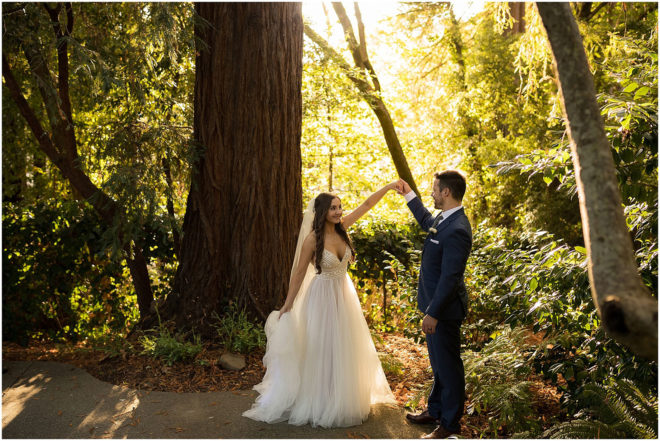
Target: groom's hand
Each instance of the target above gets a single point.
(403, 188)
(429, 324)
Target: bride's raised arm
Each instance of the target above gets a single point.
(367, 205)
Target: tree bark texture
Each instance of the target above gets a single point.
(245, 203)
(517, 11)
(628, 311)
(60, 143)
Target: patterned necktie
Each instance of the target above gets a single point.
(437, 220)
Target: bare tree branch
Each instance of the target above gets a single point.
(363, 49)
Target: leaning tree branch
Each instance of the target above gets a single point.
(375, 102)
(349, 34)
(628, 311)
(41, 135)
(362, 85)
(62, 55)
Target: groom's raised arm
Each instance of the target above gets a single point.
(422, 215)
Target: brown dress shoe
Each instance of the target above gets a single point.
(422, 418)
(441, 433)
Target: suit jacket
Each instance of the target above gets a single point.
(441, 291)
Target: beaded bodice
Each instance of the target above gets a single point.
(332, 267)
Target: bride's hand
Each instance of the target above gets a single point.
(286, 308)
(402, 187)
(394, 186)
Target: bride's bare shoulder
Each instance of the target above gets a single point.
(310, 240)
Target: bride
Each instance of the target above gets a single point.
(321, 364)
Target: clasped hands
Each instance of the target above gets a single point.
(400, 187)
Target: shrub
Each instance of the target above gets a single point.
(237, 333)
(171, 348)
(58, 282)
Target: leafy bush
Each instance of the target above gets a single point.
(616, 409)
(58, 282)
(171, 348)
(403, 286)
(385, 274)
(237, 333)
(534, 280)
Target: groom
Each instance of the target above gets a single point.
(442, 297)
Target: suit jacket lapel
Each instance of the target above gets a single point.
(445, 223)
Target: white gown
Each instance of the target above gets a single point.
(321, 364)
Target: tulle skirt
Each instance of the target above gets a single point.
(321, 363)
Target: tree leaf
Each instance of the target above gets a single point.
(630, 87)
(642, 91)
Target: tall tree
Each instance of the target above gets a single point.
(628, 311)
(364, 77)
(56, 135)
(245, 201)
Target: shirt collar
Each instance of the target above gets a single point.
(447, 213)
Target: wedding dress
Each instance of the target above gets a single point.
(321, 364)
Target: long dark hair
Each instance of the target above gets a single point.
(321, 206)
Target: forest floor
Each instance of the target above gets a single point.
(405, 363)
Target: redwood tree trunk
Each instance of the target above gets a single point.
(628, 311)
(245, 201)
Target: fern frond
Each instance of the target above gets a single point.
(583, 429)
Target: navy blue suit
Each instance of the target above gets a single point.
(441, 294)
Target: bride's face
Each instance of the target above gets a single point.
(334, 212)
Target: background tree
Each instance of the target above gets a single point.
(244, 204)
(126, 69)
(628, 311)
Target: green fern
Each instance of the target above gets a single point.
(615, 410)
(496, 379)
(422, 392)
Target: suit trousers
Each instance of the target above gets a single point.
(447, 397)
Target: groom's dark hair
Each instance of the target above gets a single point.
(454, 181)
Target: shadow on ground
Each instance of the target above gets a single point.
(42, 399)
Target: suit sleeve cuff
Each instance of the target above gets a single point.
(410, 196)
